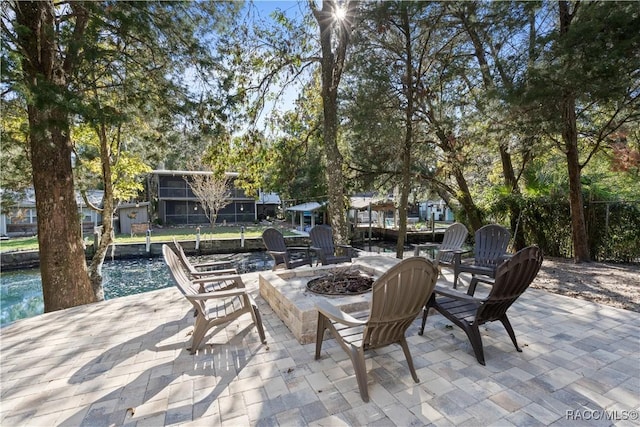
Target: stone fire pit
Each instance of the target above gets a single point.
(343, 281)
(287, 293)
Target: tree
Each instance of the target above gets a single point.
(585, 88)
(294, 163)
(280, 54)
(334, 20)
(488, 30)
(382, 98)
(213, 191)
(407, 109)
(46, 74)
(62, 52)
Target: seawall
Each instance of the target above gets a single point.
(30, 259)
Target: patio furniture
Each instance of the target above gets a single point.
(215, 307)
(284, 256)
(512, 278)
(397, 298)
(452, 241)
(489, 250)
(322, 245)
(195, 269)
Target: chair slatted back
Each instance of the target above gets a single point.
(274, 240)
(512, 278)
(453, 239)
(182, 258)
(397, 298)
(322, 237)
(179, 276)
(491, 244)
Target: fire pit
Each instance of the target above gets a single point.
(291, 299)
(345, 281)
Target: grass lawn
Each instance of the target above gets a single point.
(157, 235)
(167, 234)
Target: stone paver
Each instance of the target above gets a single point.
(124, 362)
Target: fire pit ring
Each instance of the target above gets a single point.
(347, 281)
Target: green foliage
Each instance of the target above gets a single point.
(15, 167)
(614, 231)
(612, 209)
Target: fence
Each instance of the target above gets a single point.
(613, 228)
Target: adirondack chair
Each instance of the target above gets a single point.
(489, 251)
(284, 256)
(213, 268)
(452, 241)
(322, 244)
(397, 298)
(512, 278)
(212, 308)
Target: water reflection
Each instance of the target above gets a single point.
(21, 291)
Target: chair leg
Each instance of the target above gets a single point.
(472, 285)
(507, 326)
(473, 333)
(199, 331)
(257, 320)
(425, 312)
(357, 358)
(407, 354)
(320, 334)
(456, 269)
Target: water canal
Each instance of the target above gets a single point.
(21, 290)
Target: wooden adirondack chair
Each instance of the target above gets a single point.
(284, 256)
(489, 251)
(452, 241)
(322, 244)
(216, 307)
(204, 269)
(512, 278)
(397, 298)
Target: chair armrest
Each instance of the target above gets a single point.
(277, 253)
(214, 273)
(457, 251)
(212, 264)
(217, 294)
(219, 278)
(298, 248)
(451, 293)
(334, 313)
(428, 245)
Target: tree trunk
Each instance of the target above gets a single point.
(570, 139)
(95, 268)
(508, 173)
(464, 197)
(405, 177)
(335, 178)
(65, 282)
(331, 72)
(576, 202)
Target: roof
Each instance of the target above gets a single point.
(362, 202)
(187, 173)
(27, 199)
(309, 206)
(268, 199)
(133, 205)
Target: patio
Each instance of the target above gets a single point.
(124, 362)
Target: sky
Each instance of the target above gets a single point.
(291, 8)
